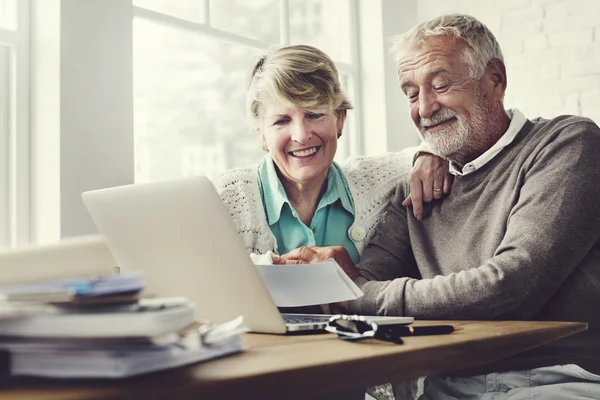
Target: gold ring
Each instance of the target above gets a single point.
(437, 190)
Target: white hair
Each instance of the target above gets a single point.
(481, 45)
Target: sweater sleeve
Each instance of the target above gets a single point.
(423, 148)
(387, 256)
(552, 227)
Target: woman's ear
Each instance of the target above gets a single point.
(262, 139)
(341, 118)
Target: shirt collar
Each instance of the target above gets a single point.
(273, 192)
(517, 120)
(337, 188)
(275, 197)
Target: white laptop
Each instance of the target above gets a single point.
(181, 235)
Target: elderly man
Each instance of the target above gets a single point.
(518, 237)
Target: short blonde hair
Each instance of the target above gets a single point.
(481, 44)
(302, 76)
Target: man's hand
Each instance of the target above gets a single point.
(312, 255)
(429, 180)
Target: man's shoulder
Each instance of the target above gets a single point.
(563, 140)
(568, 123)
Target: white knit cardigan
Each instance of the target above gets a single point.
(372, 181)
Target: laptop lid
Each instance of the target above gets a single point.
(181, 235)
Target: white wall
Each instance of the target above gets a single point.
(82, 122)
(551, 50)
(45, 121)
(386, 122)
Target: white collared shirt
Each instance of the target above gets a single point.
(517, 120)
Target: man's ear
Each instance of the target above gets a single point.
(261, 137)
(496, 71)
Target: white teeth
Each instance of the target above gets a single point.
(304, 153)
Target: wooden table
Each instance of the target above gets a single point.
(295, 367)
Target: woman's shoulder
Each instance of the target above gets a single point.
(380, 166)
(238, 189)
(237, 179)
(240, 193)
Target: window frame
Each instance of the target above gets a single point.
(353, 144)
(69, 153)
(15, 208)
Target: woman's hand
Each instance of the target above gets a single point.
(315, 254)
(312, 255)
(429, 180)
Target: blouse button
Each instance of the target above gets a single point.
(358, 233)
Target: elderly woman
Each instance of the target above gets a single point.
(298, 196)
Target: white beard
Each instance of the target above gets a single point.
(463, 137)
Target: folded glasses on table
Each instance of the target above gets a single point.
(355, 327)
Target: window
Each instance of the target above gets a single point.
(191, 60)
(14, 121)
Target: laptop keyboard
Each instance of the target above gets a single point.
(305, 319)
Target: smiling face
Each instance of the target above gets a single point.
(456, 115)
(302, 142)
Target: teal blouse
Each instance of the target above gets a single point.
(330, 224)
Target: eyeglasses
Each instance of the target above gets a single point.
(355, 327)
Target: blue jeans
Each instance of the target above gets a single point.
(548, 383)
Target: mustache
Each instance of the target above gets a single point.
(440, 116)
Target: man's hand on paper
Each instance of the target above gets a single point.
(313, 255)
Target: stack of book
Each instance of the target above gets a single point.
(101, 328)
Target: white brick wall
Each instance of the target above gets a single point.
(551, 49)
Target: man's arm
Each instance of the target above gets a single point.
(550, 230)
(387, 256)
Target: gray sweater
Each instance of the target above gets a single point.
(517, 239)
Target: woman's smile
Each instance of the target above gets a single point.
(304, 153)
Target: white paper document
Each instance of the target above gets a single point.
(308, 284)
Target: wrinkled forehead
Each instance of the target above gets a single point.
(434, 55)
